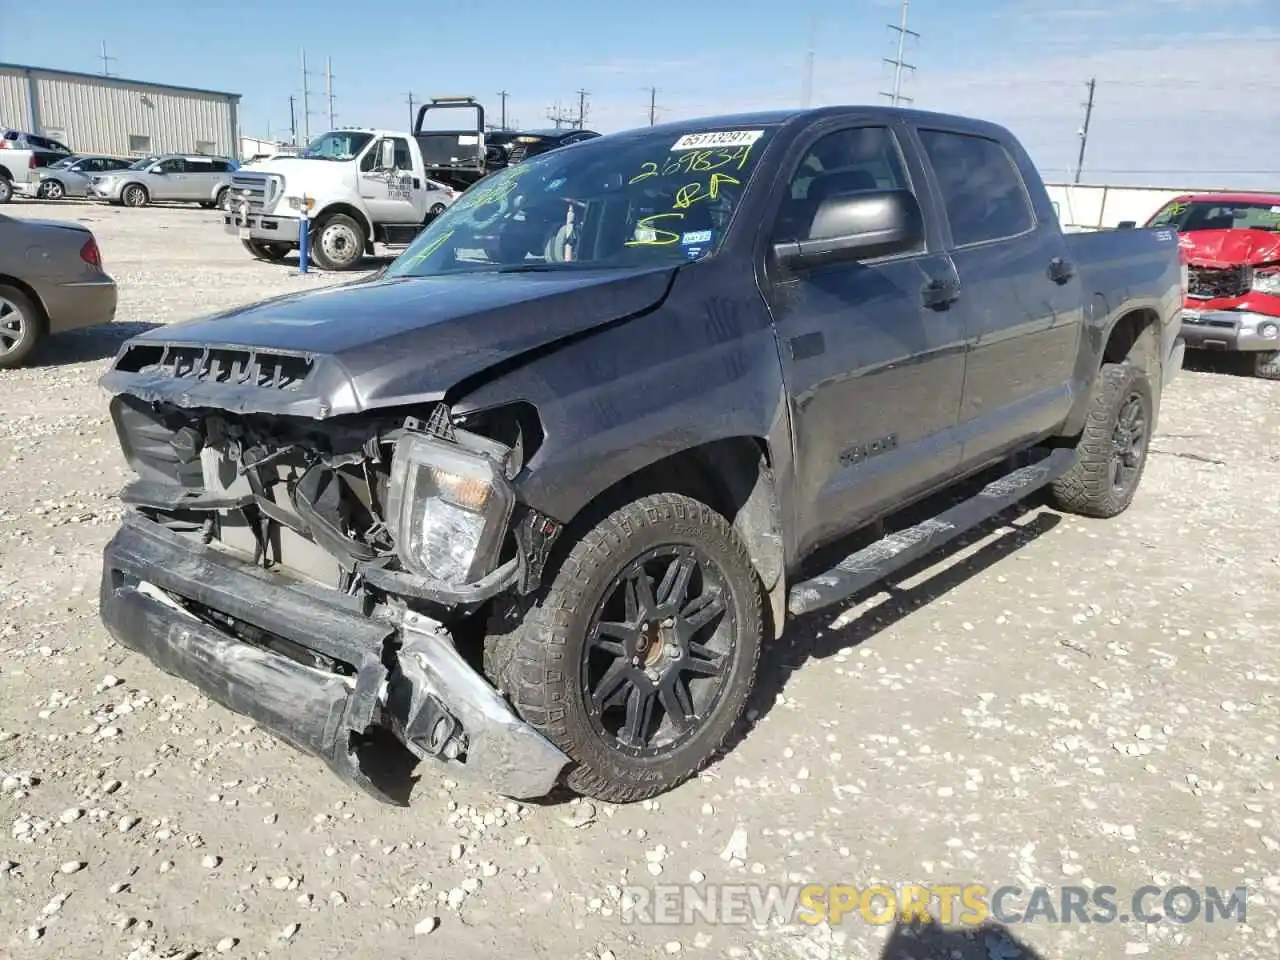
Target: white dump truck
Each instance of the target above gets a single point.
(362, 187)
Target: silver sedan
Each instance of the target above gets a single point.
(51, 281)
(69, 177)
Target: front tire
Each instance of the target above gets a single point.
(1266, 366)
(338, 242)
(1112, 454)
(135, 195)
(265, 250)
(52, 190)
(6, 190)
(638, 658)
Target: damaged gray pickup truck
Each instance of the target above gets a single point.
(531, 500)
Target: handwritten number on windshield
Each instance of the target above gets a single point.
(691, 193)
(694, 161)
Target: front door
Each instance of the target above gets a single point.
(1022, 302)
(201, 176)
(391, 196)
(171, 183)
(873, 374)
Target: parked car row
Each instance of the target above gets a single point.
(32, 169)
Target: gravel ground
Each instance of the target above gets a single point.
(1060, 702)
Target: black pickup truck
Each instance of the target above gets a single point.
(533, 507)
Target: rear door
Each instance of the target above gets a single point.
(874, 375)
(1020, 297)
(202, 177)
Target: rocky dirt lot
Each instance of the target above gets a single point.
(1061, 702)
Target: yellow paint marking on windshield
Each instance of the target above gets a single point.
(691, 193)
(660, 238)
(430, 248)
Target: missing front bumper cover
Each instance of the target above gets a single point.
(408, 679)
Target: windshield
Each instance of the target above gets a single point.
(627, 200)
(1216, 215)
(339, 145)
(143, 163)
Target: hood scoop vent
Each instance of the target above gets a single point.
(268, 370)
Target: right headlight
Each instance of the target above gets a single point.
(450, 506)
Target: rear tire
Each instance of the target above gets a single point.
(1267, 365)
(338, 242)
(638, 709)
(1112, 453)
(6, 190)
(22, 327)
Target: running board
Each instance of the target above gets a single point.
(877, 560)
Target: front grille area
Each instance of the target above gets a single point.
(241, 367)
(1211, 283)
(252, 187)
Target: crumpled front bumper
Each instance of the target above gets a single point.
(407, 678)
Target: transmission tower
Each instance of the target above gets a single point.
(557, 115)
(582, 109)
(899, 64)
(306, 100)
(502, 123)
(106, 61)
(653, 105)
(328, 90)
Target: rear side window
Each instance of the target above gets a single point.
(982, 190)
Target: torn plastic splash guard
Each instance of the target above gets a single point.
(405, 678)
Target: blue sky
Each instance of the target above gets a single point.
(1185, 96)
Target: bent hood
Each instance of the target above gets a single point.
(374, 344)
(1229, 248)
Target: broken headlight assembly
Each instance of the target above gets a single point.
(449, 504)
(1267, 280)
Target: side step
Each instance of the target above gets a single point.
(877, 560)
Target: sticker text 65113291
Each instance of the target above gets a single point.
(717, 138)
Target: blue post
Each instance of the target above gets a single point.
(304, 236)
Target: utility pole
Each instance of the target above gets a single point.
(653, 105)
(806, 92)
(293, 120)
(582, 108)
(557, 116)
(328, 90)
(899, 64)
(502, 123)
(306, 100)
(413, 117)
(106, 61)
(1084, 131)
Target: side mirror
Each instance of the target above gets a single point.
(157, 170)
(386, 155)
(1126, 224)
(853, 226)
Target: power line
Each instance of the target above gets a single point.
(306, 99)
(899, 64)
(1084, 131)
(106, 72)
(557, 115)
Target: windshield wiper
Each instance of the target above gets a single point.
(540, 266)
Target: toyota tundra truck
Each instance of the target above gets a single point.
(533, 509)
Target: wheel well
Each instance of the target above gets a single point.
(1135, 339)
(733, 476)
(1129, 340)
(26, 288)
(355, 213)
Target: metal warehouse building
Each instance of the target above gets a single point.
(117, 117)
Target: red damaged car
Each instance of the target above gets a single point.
(1231, 245)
